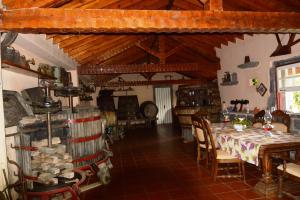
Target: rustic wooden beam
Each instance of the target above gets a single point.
(162, 49)
(152, 82)
(148, 50)
(174, 50)
(125, 69)
(48, 20)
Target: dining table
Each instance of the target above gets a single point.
(255, 146)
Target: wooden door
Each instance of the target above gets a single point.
(163, 100)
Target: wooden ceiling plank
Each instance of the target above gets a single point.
(186, 5)
(113, 52)
(149, 5)
(119, 58)
(47, 20)
(216, 5)
(99, 4)
(78, 40)
(129, 56)
(124, 4)
(205, 54)
(16, 4)
(94, 45)
(196, 3)
(59, 38)
(200, 56)
(78, 44)
(142, 68)
(207, 40)
(174, 50)
(134, 55)
(98, 47)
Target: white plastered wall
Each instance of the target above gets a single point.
(259, 47)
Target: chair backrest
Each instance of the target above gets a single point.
(209, 139)
(279, 118)
(259, 117)
(198, 127)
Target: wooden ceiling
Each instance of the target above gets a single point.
(105, 55)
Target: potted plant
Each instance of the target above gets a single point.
(241, 123)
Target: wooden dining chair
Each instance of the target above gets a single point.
(281, 121)
(199, 137)
(221, 157)
(258, 119)
(289, 169)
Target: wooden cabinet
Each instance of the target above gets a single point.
(204, 99)
(195, 96)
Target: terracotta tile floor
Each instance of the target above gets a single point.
(156, 165)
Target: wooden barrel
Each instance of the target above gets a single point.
(149, 110)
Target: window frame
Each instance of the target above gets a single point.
(285, 89)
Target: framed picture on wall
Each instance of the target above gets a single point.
(261, 89)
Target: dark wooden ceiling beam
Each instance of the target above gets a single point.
(47, 20)
(125, 69)
(148, 50)
(152, 82)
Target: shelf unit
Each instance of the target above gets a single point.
(229, 83)
(7, 65)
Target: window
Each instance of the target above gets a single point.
(288, 83)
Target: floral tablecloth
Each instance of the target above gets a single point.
(246, 144)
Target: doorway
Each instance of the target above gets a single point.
(163, 100)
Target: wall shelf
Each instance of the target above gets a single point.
(229, 83)
(7, 65)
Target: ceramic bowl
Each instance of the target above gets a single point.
(238, 127)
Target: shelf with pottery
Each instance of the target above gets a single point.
(248, 64)
(229, 83)
(229, 79)
(10, 66)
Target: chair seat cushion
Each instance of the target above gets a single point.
(203, 146)
(280, 127)
(224, 155)
(291, 168)
(200, 135)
